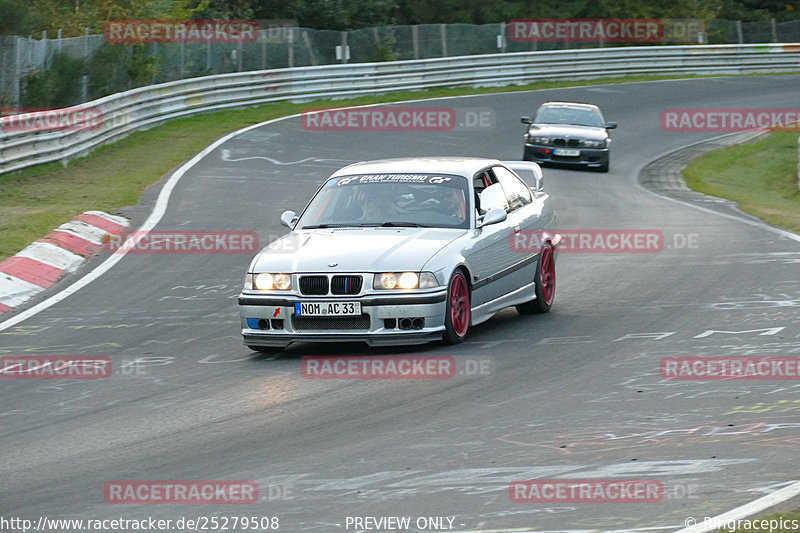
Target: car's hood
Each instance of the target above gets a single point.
(562, 130)
(354, 250)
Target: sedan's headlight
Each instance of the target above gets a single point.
(593, 144)
(536, 139)
(404, 280)
(268, 282)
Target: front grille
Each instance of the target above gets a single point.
(314, 285)
(572, 143)
(346, 284)
(338, 323)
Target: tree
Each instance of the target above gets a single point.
(16, 18)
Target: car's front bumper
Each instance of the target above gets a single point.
(385, 320)
(590, 157)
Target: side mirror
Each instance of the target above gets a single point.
(526, 120)
(289, 219)
(538, 186)
(494, 216)
(611, 125)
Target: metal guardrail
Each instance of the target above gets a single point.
(141, 108)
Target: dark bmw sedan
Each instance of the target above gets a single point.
(568, 133)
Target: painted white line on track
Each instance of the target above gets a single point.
(158, 213)
(743, 218)
(536, 530)
(159, 210)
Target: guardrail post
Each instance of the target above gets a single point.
(739, 35)
(443, 30)
(415, 40)
(774, 31)
(290, 45)
(798, 162)
(17, 83)
(85, 77)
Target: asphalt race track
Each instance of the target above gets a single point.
(574, 394)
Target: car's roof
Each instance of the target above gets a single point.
(460, 166)
(570, 104)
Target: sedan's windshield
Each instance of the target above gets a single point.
(576, 116)
(390, 200)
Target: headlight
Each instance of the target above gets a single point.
(540, 140)
(268, 282)
(593, 144)
(404, 280)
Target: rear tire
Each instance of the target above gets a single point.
(545, 280)
(457, 312)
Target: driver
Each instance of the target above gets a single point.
(453, 204)
(375, 205)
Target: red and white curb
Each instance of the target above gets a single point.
(61, 251)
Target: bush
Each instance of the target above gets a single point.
(57, 86)
(115, 68)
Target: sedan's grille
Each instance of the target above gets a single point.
(346, 284)
(314, 285)
(572, 143)
(341, 323)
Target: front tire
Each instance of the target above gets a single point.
(545, 280)
(457, 313)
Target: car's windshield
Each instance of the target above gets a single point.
(577, 116)
(415, 200)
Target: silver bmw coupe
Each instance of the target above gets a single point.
(405, 251)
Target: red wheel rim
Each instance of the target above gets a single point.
(547, 275)
(459, 305)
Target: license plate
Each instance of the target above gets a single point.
(568, 152)
(327, 308)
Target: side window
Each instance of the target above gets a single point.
(492, 197)
(517, 193)
(480, 182)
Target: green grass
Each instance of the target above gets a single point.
(33, 201)
(755, 525)
(760, 176)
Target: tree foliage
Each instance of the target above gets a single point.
(73, 17)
